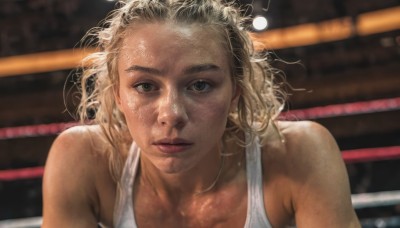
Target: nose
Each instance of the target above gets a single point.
(172, 111)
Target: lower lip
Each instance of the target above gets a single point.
(172, 149)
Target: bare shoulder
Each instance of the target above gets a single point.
(308, 148)
(83, 140)
(77, 146)
(300, 140)
(305, 134)
(310, 163)
(69, 183)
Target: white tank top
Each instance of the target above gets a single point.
(124, 216)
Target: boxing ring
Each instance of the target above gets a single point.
(67, 59)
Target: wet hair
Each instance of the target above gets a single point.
(260, 99)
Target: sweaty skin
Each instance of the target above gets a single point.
(176, 92)
(170, 92)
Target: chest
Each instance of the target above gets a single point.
(223, 209)
(229, 210)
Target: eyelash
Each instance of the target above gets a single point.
(139, 87)
(207, 84)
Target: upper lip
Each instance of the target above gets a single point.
(172, 141)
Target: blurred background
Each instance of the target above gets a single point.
(343, 56)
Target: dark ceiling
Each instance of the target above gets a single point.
(356, 69)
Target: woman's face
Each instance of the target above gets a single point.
(175, 92)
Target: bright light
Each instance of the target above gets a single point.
(260, 23)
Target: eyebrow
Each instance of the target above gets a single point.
(189, 70)
(143, 69)
(201, 68)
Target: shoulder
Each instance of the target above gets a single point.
(77, 149)
(71, 173)
(306, 135)
(310, 147)
(300, 140)
(306, 147)
(310, 164)
(78, 136)
(79, 145)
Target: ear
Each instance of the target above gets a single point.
(237, 91)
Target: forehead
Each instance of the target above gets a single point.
(170, 44)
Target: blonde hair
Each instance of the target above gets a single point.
(260, 99)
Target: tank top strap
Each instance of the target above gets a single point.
(123, 210)
(256, 214)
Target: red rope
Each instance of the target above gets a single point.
(349, 156)
(310, 113)
(344, 109)
(34, 130)
(371, 154)
(25, 173)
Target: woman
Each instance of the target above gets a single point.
(186, 132)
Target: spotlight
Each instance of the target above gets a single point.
(260, 23)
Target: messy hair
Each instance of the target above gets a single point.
(260, 99)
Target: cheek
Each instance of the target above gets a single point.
(136, 112)
(213, 112)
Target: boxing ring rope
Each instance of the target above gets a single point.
(32, 222)
(354, 108)
(34, 130)
(376, 199)
(371, 154)
(20, 174)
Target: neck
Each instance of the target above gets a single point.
(185, 182)
(204, 177)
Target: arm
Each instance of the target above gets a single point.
(322, 196)
(68, 188)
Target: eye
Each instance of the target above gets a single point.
(145, 87)
(200, 86)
